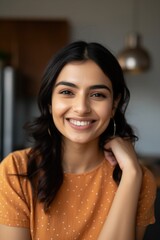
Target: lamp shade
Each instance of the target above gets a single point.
(134, 58)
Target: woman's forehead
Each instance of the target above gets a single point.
(83, 71)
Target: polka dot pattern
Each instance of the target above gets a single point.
(80, 208)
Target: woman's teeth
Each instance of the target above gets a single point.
(79, 123)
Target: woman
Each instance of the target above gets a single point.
(63, 187)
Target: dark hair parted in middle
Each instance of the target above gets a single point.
(44, 167)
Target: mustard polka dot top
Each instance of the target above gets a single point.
(81, 205)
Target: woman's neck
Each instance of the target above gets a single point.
(80, 158)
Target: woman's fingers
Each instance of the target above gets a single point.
(121, 151)
(110, 157)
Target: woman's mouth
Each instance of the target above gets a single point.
(79, 123)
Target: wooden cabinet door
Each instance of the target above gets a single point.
(31, 44)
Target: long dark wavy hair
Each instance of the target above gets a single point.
(44, 169)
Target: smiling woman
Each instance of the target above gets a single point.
(78, 102)
(82, 170)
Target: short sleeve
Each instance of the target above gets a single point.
(14, 192)
(145, 215)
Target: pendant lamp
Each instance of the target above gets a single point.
(134, 58)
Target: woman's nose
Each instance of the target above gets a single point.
(82, 105)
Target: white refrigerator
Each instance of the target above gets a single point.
(7, 101)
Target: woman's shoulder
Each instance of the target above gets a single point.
(148, 187)
(16, 161)
(148, 178)
(15, 190)
(145, 214)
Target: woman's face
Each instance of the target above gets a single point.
(82, 102)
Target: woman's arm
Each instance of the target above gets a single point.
(14, 233)
(121, 220)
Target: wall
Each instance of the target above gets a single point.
(108, 22)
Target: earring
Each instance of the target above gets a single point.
(49, 132)
(114, 127)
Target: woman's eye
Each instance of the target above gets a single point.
(66, 92)
(98, 95)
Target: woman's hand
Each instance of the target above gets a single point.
(121, 151)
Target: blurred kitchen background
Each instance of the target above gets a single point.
(32, 31)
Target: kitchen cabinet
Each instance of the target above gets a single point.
(30, 43)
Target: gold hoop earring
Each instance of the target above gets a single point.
(49, 132)
(114, 127)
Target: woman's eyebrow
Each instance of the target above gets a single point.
(66, 84)
(97, 86)
(100, 86)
